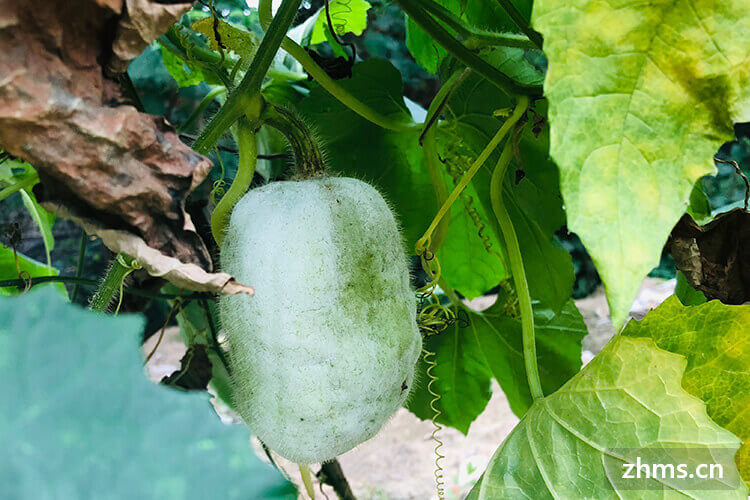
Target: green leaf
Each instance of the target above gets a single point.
(534, 203)
(463, 379)
(714, 339)
(699, 207)
(184, 75)
(641, 96)
(626, 403)
(43, 219)
(9, 271)
(489, 345)
(347, 16)
(483, 14)
(515, 63)
(391, 161)
(688, 295)
(472, 255)
(79, 419)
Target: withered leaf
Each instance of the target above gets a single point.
(195, 370)
(715, 258)
(102, 161)
(155, 263)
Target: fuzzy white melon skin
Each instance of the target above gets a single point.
(324, 352)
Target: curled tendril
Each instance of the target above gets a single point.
(429, 359)
(26, 277)
(131, 266)
(433, 318)
(217, 191)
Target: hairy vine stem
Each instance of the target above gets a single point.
(122, 265)
(328, 83)
(518, 112)
(245, 97)
(248, 155)
(308, 157)
(516, 265)
(425, 21)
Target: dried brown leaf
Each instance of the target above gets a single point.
(195, 370)
(104, 162)
(715, 258)
(143, 22)
(155, 263)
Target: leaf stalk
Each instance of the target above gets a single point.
(328, 83)
(516, 264)
(462, 53)
(518, 112)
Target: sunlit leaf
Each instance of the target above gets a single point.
(641, 96)
(347, 16)
(626, 403)
(714, 339)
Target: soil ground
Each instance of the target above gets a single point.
(399, 463)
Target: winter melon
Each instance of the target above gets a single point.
(324, 352)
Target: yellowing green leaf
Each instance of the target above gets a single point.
(641, 96)
(240, 41)
(715, 339)
(347, 16)
(626, 403)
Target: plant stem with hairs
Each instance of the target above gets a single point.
(245, 98)
(248, 155)
(111, 284)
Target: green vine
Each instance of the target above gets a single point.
(308, 157)
(248, 155)
(462, 53)
(328, 83)
(245, 98)
(516, 262)
(113, 283)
